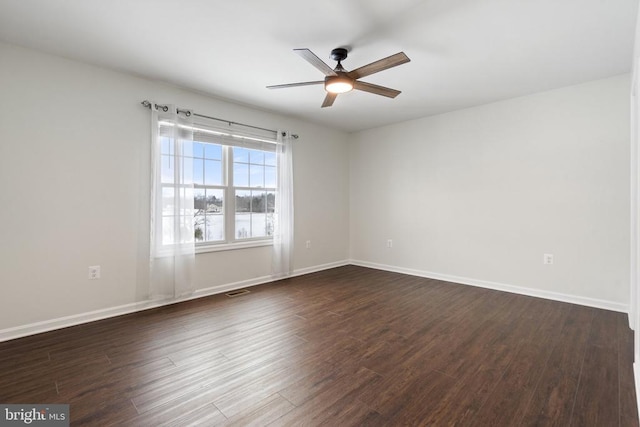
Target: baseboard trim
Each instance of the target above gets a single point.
(76, 319)
(556, 296)
(256, 281)
(91, 316)
(322, 267)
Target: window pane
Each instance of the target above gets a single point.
(243, 214)
(270, 158)
(208, 214)
(214, 201)
(256, 157)
(270, 224)
(212, 172)
(199, 201)
(258, 201)
(215, 215)
(243, 225)
(271, 202)
(251, 217)
(167, 201)
(198, 170)
(258, 225)
(186, 148)
(270, 177)
(186, 195)
(243, 201)
(186, 229)
(240, 155)
(199, 227)
(258, 215)
(240, 175)
(213, 151)
(166, 169)
(198, 149)
(257, 176)
(166, 146)
(167, 230)
(215, 228)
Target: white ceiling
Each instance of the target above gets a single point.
(463, 52)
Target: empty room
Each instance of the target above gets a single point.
(337, 213)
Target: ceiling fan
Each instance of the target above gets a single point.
(339, 80)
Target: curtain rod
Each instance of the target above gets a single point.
(188, 113)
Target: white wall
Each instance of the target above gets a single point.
(74, 185)
(479, 195)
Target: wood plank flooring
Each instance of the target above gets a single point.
(344, 347)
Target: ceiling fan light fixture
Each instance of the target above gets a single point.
(338, 84)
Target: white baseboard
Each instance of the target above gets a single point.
(256, 281)
(556, 296)
(76, 319)
(308, 270)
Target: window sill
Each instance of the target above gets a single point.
(232, 246)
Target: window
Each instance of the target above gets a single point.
(233, 182)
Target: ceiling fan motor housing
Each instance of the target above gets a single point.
(339, 54)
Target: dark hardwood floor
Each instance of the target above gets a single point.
(344, 347)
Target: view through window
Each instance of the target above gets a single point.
(234, 190)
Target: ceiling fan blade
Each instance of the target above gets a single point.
(295, 84)
(312, 59)
(328, 100)
(382, 64)
(378, 90)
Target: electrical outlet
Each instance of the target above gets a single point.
(547, 259)
(308, 244)
(94, 272)
(389, 243)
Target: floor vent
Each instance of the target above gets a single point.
(237, 293)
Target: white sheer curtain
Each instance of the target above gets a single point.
(283, 226)
(172, 231)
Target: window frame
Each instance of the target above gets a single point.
(230, 240)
